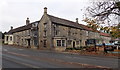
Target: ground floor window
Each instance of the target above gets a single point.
(69, 42)
(45, 43)
(60, 42)
(77, 42)
(80, 42)
(63, 42)
(7, 38)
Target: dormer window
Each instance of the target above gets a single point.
(34, 25)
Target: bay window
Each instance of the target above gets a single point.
(61, 43)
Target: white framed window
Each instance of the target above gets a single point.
(69, 42)
(58, 42)
(87, 33)
(6, 38)
(61, 43)
(10, 38)
(77, 42)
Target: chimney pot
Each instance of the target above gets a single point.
(27, 21)
(76, 20)
(45, 10)
(11, 27)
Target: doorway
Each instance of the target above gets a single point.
(44, 43)
(73, 44)
(28, 42)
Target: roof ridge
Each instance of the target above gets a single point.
(21, 26)
(61, 18)
(104, 34)
(67, 20)
(24, 25)
(72, 23)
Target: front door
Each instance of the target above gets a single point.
(28, 42)
(44, 43)
(73, 44)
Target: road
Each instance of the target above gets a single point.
(14, 57)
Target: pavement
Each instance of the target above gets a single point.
(17, 57)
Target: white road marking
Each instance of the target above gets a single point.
(20, 49)
(5, 50)
(14, 48)
(68, 57)
(18, 54)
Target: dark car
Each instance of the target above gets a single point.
(109, 48)
(117, 46)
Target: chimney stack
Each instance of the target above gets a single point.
(11, 27)
(76, 20)
(45, 10)
(27, 21)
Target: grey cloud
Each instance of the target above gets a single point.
(15, 12)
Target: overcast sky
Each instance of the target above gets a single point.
(14, 12)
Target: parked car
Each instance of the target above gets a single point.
(117, 46)
(109, 48)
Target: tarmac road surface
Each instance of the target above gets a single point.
(16, 57)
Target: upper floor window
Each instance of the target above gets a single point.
(45, 33)
(80, 33)
(45, 25)
(75, 32)
(29, 32)
(56, 29)
(35, 24)
(69, 32)
(87, 33)
(56, 32)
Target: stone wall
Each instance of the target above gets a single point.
(45, 35)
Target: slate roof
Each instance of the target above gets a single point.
(58, 21)
(22, 28)
(104, 34)
(68, 23)
(74, 24)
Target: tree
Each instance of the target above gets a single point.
(115, 31)
(105, 11)
(91, 23)
(106, 15)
